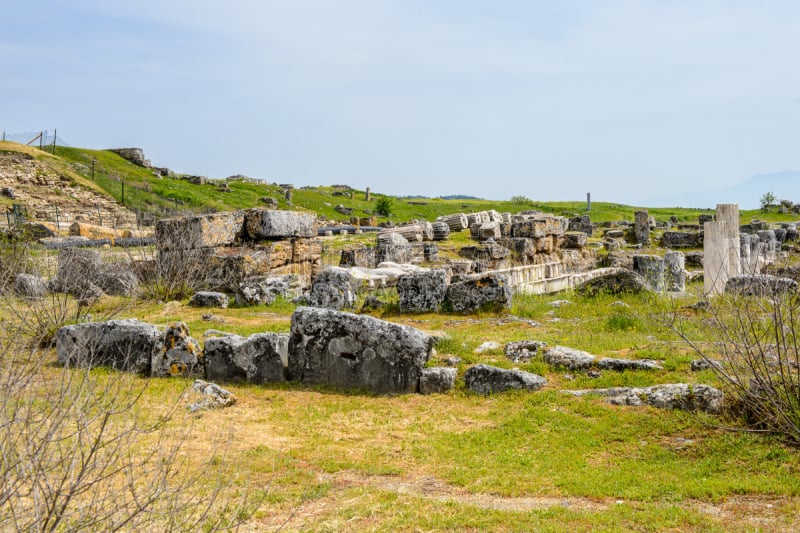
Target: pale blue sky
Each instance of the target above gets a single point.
(630, 100)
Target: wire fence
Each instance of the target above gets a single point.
(41, 138)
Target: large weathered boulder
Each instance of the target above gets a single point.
(122, 344)
(30, 287)
(92, 231)
(332, 289)
(199, 231)
(485, 379)
(423, 291)
(437, 380)
(562, 356)
(490, 290)
(180, 354)
(675, 272)
(538, 226)
(615, 282)
(259, 358)
(260, 223)
(574, 240)
(349, 351)
(209, 299)
(669, 396)
(759, 285)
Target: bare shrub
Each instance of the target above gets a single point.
(756, 341)
(88, 449)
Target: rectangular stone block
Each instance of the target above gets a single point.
(263, 223)
(349, 351)
(199, 231)
(121, 344)
(259, 358)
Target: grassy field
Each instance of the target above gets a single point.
(327, 460)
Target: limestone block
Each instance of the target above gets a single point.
(261, 223)
(485, 379)
(421, 292)
(199, 231)
(259, 358)
(350, 351)
(122, 344)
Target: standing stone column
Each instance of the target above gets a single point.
(641, 228)
(368, 196)
(715, 257)
(675, 275)
(729, 213)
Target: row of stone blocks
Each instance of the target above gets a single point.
(325, 347)
(226, 248)
(232, 228)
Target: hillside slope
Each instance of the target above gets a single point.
(120, 189)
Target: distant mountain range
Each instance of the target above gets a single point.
(784, 185)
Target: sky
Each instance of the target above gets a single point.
(629, 100)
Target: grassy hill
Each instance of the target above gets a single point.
(163, 196)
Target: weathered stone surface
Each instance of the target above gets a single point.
(641, 228)
(259, 358)
(30, 287)
(437, 380)
(358, 257)
(422, 292)
(254, 292)
(570, 358)
(209, 299)
(490, 290)
(609, 363)
(260, 223)
(574, 240)
(488, 251)
(651, 268)
(694, 259)
(582, 224)
(134, 155)
(199, 231)
(83, 274)
(332, 289)
(180, 355)
(617, 282)
(523, 351)
(488, 230)
(392, 238)
(350, 351)
(669, 396)
(485, 379)
(457, 222)
(122, 344)
(441, 231)
(538, 226)
(759, 285)
(213, 396)
(384, 275)
(674, 272)
(681, 239)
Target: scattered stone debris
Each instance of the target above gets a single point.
(485, 379)
(670, 396)
(214, 396)
(523, 351)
